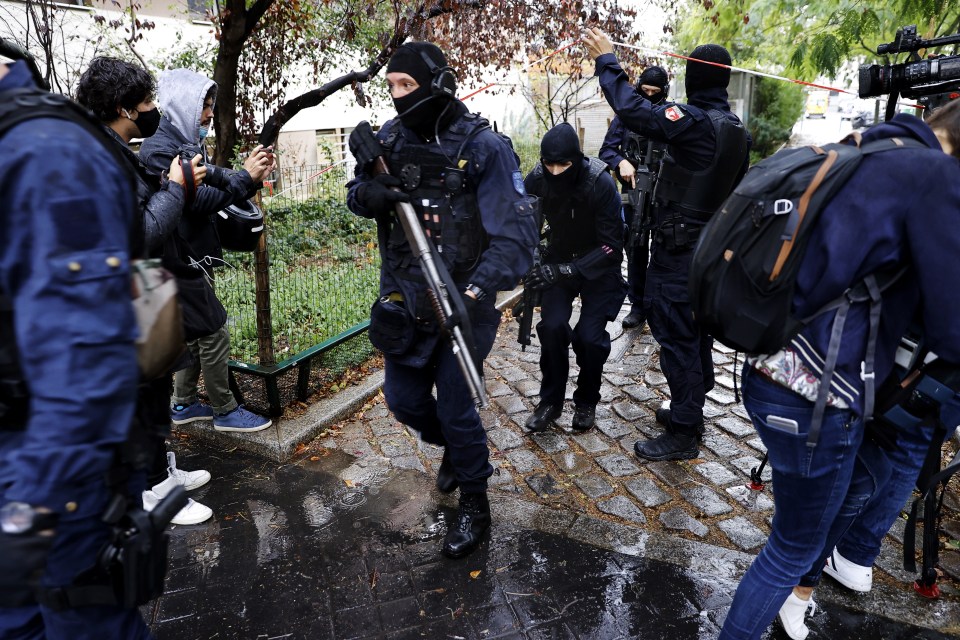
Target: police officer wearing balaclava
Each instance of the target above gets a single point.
(707, 154)
(464, 182)
(585, 248)
(626, 153)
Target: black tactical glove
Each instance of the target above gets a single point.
(377, 197)
(547, 275)
(23, 557)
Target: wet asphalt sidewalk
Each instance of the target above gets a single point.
(588, 541)
(329, 547)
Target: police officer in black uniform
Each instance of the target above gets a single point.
(634, 158)
(580, 202)
(708, 152)
(464, 182)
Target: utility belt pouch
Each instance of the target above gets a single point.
(677, 236)
(131, 567)
(391, 325)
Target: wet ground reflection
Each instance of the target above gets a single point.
(332, 549)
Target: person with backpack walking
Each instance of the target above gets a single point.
(897, 212)
(707, 153)
(585, 248)
(632, 157)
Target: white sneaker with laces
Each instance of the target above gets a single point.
(189, 480)
(193, 513)
(853, 576)
(792, 615)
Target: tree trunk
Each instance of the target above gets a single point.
(232, 36)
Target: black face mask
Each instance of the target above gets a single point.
(148, 122)
(418, 110)
(563, 184)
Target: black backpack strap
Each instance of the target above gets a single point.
(869, 289)
(930, 477)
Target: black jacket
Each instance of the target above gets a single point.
(221, 188)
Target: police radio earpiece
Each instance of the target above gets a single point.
(444, 82)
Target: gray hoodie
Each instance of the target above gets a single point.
(180, 95)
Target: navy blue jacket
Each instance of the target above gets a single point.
(505, 213)
(899, 208)
(685, 127)
(65, 213)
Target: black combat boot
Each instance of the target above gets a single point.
(543, 416)
(584, 416)
(473, 518)
(635, 318)
(446, 477)
(663, 418)
(678, 442)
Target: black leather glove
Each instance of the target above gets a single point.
(547, 275)
(377, 197)
(23, 557)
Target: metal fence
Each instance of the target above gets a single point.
(323, 275)
(323, 272)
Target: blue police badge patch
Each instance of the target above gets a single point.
(518, 183)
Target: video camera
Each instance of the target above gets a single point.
(916, 77)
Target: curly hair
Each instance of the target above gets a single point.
(947, 119)
(109, 82)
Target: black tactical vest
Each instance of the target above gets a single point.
(573, 227)
(698, 194)
(438, 180)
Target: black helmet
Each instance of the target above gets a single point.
(240, 226)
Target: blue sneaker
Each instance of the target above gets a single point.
(240, 420)
(184, 413)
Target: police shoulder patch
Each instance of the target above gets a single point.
(674, 113)
(518, 183)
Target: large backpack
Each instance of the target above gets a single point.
(745, 265)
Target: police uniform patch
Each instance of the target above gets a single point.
(673, 114)
(518, 183)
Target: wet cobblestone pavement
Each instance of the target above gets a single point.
(331, 547)
(588, 541)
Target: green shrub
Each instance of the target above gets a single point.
(776, 108)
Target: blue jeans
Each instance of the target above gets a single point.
(861, 544)
(810, 486)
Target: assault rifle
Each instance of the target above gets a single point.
(523, 312)
(444, 295)
(640, 198)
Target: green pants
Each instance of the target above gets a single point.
(210, 354)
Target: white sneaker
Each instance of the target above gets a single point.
(189, 480)
(792, 615)
(193, 513)
(853, 576)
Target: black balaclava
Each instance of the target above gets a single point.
(561, 144)
(655, 77)
(701, 77)
(418, 110)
